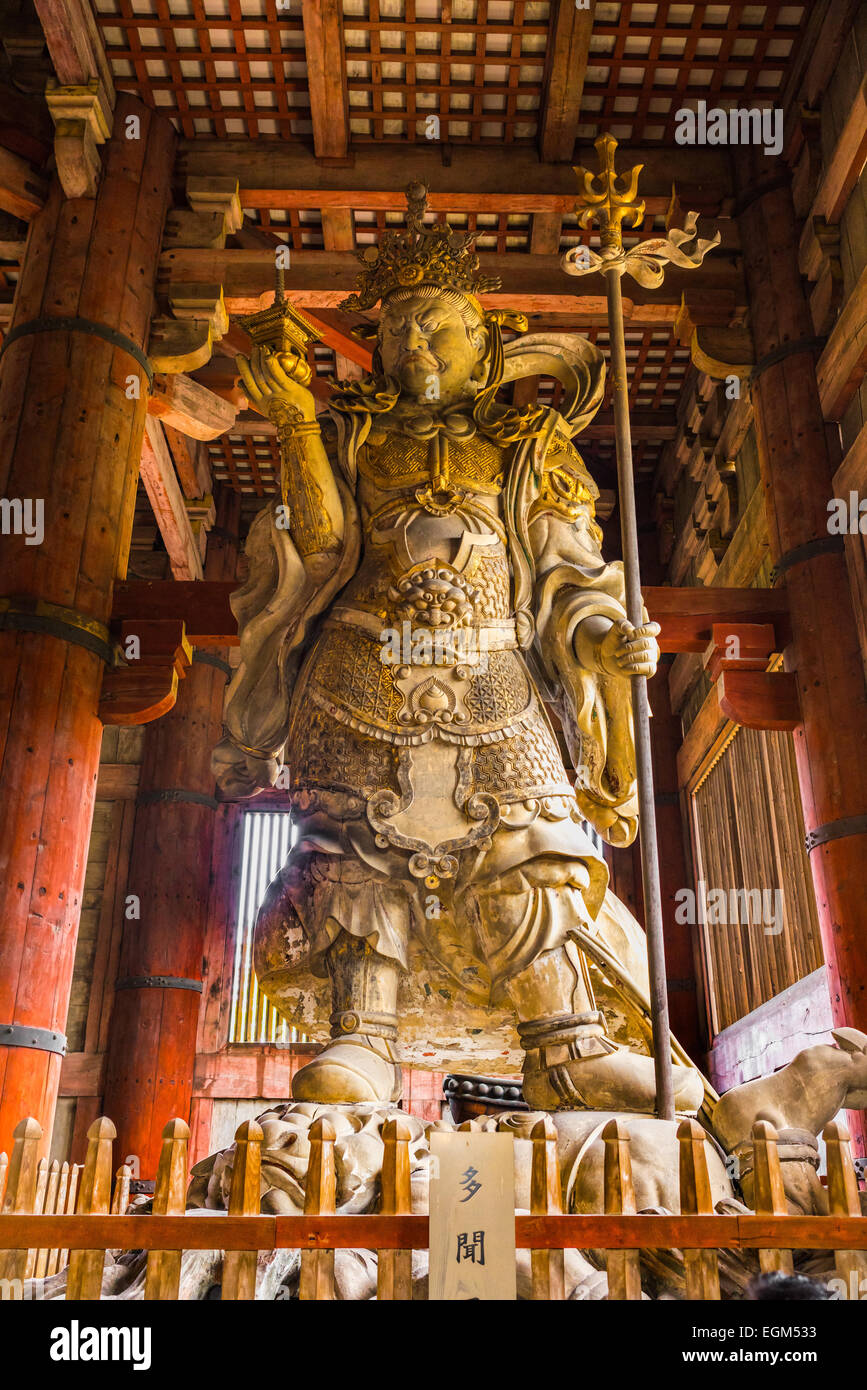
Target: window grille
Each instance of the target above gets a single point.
(266, 837)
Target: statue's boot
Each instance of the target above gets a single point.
(360, 1062)
(571, 1065)
(351, 1069)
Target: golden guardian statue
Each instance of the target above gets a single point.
(427, 616)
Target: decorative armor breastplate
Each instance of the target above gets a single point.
(393, 460)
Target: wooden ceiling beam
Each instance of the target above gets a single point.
(282, 174)
(322, 21)
(686, 615)
(533, 284)
(568, 53)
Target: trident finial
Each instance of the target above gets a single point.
(613, 205)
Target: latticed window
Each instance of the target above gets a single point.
(265, 840)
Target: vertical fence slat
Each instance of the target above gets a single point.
(317, 1266)
(50, 1207)
(769, 1193)
(700, 1267)
(20, 1196)
(70, 1190)
(239, 1266)
(547, 1267)
(394, 1267)
(84, 1280)
(844, 1200)
(59, 1207)
(38, 1209)
(120, 1200)
(164, 1266)
(623, 1266)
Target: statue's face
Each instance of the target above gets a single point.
(427, 347)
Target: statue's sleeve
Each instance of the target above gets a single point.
(572, 583)
(275, 609)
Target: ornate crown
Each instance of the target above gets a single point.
(434, 255)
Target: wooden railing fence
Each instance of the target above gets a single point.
(42, 1222)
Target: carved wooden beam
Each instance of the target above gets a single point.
(167, 501)
(188, 406)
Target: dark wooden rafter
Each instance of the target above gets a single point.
(568, 53)
(326, 77)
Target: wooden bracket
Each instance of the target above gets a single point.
(748, 693)
(185, 342)
(717, 351)
(82, 120)
(760, 699)
(219, 195)
(147, 686)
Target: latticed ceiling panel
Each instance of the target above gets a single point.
(648, 60)
(459, 71)
(462, 71)
(217, 67)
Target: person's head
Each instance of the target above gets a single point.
(434, 343)
(788, 1288)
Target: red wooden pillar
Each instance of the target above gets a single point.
(152, 1037)
(797, 472)
(70, 439)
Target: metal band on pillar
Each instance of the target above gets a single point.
(823, 545)
(779, 354)
(36, 615)
(209, 659)
(76, 325)
(42, 1039)
(835, 830)
(159, 982)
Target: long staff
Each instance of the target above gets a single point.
(610, 203)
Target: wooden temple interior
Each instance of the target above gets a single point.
(153, 157)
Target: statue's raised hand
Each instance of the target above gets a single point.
(629, 651)
(272, 377)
